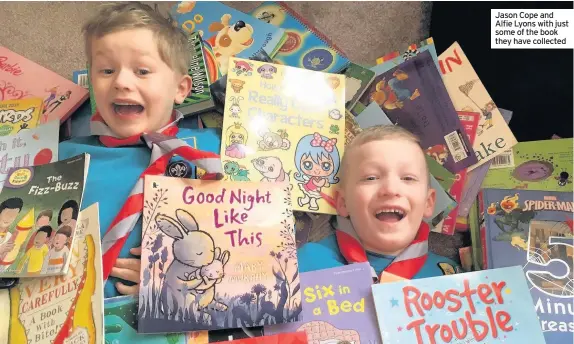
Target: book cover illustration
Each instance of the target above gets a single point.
(305, 46)
(62, 309)
(226, 32)
(534, 165)
(22, 78)
(467, 93)
(232, 264)
(30, 147)
(39, 207)
(281, 338)
(533, 229)
(18, 115)
(199, 98)
(337, 307)
(413, 96)
(357, 80)
(285, 123)
(352, 129)
(490, 306)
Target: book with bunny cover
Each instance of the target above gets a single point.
(286, 123)
(216, 255)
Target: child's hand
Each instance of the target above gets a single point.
(7, 247)
(128, 269)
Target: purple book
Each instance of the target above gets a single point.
(337, 307)
(413, 96)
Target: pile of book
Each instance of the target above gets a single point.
(286, 92)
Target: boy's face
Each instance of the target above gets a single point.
(59, 241)
(7, 216)
(134, 88)
(42, 221)
(386, 193)
(40, 239)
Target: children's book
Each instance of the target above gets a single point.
(352, 129)
(468, 94)
(226, 32)
(286, 124)
(199, 98)
(216, 255)
(61, 309)
(22, 78)
(337, 306)
(30, 147)
(357, 80)
(488, 306)
(18, 115)
(534, 165)
(533, 229)
(414, 96)
(39, 206)
(305, 46)
(281, 338)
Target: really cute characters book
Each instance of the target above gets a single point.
(286, 123)
(19, 115)
(226, 32)
(305, 47)
(216, 255)
(62, 309)
(337, 307)
(490, 306)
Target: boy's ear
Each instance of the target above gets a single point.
(183, 89)
(340, 204)
(429, 206)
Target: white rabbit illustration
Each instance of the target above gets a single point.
(211, 274)
(191, 249)
(234, 108)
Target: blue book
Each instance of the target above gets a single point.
(305, 47)
(226, 32)
(490, 306)
(533, 229)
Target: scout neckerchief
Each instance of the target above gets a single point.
(406, 265)
(163, 145)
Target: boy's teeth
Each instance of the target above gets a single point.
(395, 213)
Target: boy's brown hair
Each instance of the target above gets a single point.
(66, 230)
(171, 41)
(377, 133)
(48, 212)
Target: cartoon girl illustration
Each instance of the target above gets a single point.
(317, 162)
(68, 214)
(236, 138)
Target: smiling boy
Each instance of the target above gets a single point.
(384, 195)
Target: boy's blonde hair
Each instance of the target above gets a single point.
(172, 42)
(378, 133)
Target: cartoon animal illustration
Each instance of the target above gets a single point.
(237, 85)
(266, 71)
(271, 168)
(334, 129)
(392, 94)
(333, 82)
(234, 108)
(335, 114)
(563, 178)
(230, 39)
(518, 242)
(322, 332)
(235, 141)
(438, 152)
(270, 140)
(242, 67)
(317, 161)
(211, 275)
(191, 249)
(235, 171)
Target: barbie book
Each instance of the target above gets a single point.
(61, 309)
(467, 93)
(39, 207)
(217, 255)
(21, 78)
(285, 124)
(490, 306)
(19, 115)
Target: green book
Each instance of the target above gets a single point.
(357, 80)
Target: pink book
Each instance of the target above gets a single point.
(21, 78)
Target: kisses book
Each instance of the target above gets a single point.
(60, 309)
(39, 206)
(337, 306)
(216, 255)
(285, 124)
(490, 306)
(20, 114)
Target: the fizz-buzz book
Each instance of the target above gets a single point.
(19, 115)
(285, 124)
(61, 309)
(337, 307)
(39, 206)
(226, 32)
(490, 306)
(305, 46)
(217, 255)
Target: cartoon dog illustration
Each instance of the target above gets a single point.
(270, 140)
(230, 39)
(266, 71)
(271, 168)
(438, 152)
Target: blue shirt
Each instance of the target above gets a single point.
(325, 254)
(113, 173)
